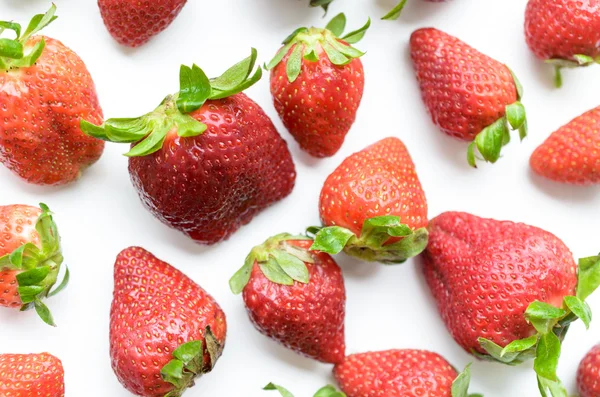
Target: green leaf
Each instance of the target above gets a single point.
(33, 276)
(331, 240)
(547, 355)
(395, 12)
(292, 266)
(490, 140)
(188, 351)
(9, 25)
(217, 94)
(378, 230)
(63, 284)
(357, 35)
(336, 57)
(460, 386)
(515, 114)
(11, 49)
(283, 391)
(555, 388)
(30, 293)
(543, 316)
(294, 34)
(337, 25)
(588, 276)
(583, 60)
(235, 75)
(274, 272)
(410, 246)
(154, 141)
(195, 88)
(518, 84)
(347, 50)
(471, 155)
(239, 280)
(188, 126)
(44, 313)
(172, 372)
(39, 22)
(523, 130)
(128, 130)
(279, 56)
(519, 345)
(93, 130)
(294, 63)
(495, 351)
(580, 308)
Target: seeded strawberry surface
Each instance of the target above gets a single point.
(31, 375)
(588, 375)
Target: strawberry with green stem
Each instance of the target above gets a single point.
(327, 391)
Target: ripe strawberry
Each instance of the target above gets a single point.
(208, 159)
(588, 375)
(30, 258)
(165, 330)
(327, 391)
(295, 296)
(564, 33)
(507, 291)
(396, 11)
(373, 206)
(133, 22)
(571, 155)
(469, 95)
(317, 83)
(45, 89)
(400, 373)
(28, 375)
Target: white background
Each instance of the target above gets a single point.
(388, 307)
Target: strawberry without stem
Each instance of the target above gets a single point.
(28, 375)
(588, 374)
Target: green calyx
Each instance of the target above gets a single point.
(551, 324)
(188, 363)
(309, 43)
(371, 245)
(321, 3)
(490, 141)
(579, 60)
(280, 262)
(150, 130)
(38, 268)
(460, 386)
(395, 12)
(13, 52)
(327, 391)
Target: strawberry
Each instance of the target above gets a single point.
(208, 159)
(571, 155)
(564, 33)
(165, 330)
(327, 391)
(469, 95)
(373, 206)
(400, 373)
(28, 375)
(45, 89)
(30, 259)
(317, 83)
(507, 291)
(132, 22)
(588, 374)
(397, 10)
(295, 296)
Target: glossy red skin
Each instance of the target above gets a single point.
(31, 375)
(155, 309)
(559, 29)
(320, 106)
(17, 227)
(484, 274)
(133, 22)
(572, 153)
(379, 180)
(395, 373)
(210, 185)
(463, 89)
(40, 110)
(588, 374)
(307, 318)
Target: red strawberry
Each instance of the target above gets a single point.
(208, 159)
(30, 258)
(28, 375)
(317, 83)
(45, 89)
(373, 206)
(400, 373)
(588, 375)
(571, 154)
(507, 291)
(133, 22)
(327, 391)
(469, 95)
(564, 33)
(396, 11)
(165, 330)
(295, 296)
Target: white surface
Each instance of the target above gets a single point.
(388, 307)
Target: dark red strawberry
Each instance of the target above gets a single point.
(45, 89)
(30, 258)
(400, 373)
(165, 330)
(133, 22)
(396, 11)
(208, 159)
(317, 83)
(507, 291)
(564, 33)
(31, 375)
(295, 296)
(469, 95)
(571, 154)
(327, 391)
(588, 375)
(373, 206)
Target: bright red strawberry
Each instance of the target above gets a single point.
(571, 154)
(373, 206)
(505, 289)
(588, 375)
(564, 33)
(317, 83)
(45, 89)
(165, 330)
(469, 95)
(29, 375)
(400, 373)
(30, 258)
(295, 296)
(208, 159)
(327, 391)
(396, 11)
(133, 22)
